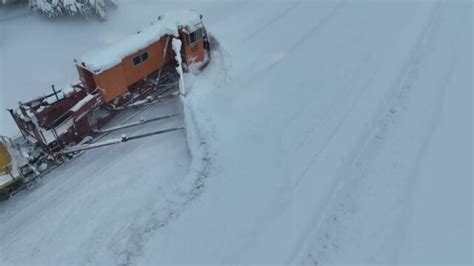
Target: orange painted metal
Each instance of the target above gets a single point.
(87, 78)
(194, 52)
(134, 73)
(111, 83)
(117, 80)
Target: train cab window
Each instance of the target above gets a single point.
(195, 35)
(141, 58)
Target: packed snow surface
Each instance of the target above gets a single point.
(324, 132)
(99, 60)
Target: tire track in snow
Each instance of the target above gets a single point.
(289, 51)
(370, 144)
(332, 111)
(318, 26)
(296, 180)
(315, 28)
(273, 20)
(343, 118)
(433, 125)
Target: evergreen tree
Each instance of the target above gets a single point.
(54, 8)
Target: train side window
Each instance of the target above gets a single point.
(195, 36)
(137, 60)
(141, 58)
(144, 56)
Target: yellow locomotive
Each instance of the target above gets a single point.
(10, 178)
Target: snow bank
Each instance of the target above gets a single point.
(195, 141)
(197, 148)
(102, 59)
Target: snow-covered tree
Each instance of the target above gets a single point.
(7, 2)
(54, 8)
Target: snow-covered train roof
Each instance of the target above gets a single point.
(102, 59)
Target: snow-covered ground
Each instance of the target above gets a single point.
(337, 132)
